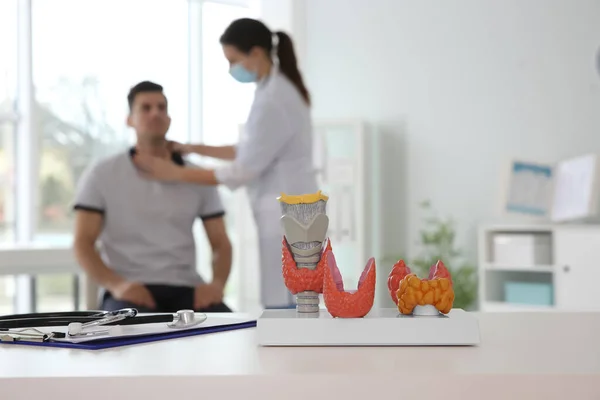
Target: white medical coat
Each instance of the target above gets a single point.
(274, 156)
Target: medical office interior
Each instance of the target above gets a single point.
(464, 130)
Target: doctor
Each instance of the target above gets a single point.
(274, 154)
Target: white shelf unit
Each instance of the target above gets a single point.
(573, 273)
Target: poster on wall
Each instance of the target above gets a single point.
(559, 192)
(576, 189)
(530, 189)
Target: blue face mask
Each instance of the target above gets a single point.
(242, 75)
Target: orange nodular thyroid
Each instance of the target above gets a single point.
(398, 272)
(439, 270)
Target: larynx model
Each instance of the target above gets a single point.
(305, 225)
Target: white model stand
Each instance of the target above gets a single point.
(381, 327)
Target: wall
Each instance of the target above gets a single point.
(455, 89)
(289, 16)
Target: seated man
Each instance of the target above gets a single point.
(147, 256)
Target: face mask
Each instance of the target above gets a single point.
(242, 75)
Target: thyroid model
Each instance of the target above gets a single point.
(305, 225)
(429, 296)
(308, 263)
(348, 303)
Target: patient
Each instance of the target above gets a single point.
(147, 252)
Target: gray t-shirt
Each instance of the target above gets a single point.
(147, 234)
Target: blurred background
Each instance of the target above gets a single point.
(430, 110)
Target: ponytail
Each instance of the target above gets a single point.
(288, 64)
(247, 33)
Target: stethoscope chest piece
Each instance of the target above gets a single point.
(186, 319)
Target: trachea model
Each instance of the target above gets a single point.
(305, 225)
(430, 296)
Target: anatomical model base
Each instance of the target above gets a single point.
(381, 327)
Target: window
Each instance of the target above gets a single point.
(8, 56)
(8, 69)
(79, 59)
(7, 207)
(81, 82)
(57, 292)
(7, 202)
(8, 66)
(225, 107)
(7, 184)
(7, 294)
(230, 101)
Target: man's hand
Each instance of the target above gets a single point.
(133, 292)
(207, 294)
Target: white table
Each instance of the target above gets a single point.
(522, 355)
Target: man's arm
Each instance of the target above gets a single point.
(221, 249)
(90, 206)
(88, 225)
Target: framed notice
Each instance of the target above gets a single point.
(564, 191)
(530, 189)
(576, 189)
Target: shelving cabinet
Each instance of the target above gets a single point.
(568, 282)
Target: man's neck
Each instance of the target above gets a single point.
(155, 148)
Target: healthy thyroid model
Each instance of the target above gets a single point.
(348, 303)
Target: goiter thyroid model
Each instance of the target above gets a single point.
(309, 268)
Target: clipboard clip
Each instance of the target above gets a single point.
(75, 329)
(26, 334)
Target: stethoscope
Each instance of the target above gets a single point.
(79, 322)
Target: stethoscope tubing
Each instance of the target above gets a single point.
(89, 313)
(64, 319)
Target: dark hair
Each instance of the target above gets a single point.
(143, 87)
(247, 33)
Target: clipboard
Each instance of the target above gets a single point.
(154, 333)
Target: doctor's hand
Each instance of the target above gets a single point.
(157, 168)
(207, 294)
(133, 292)
(177, 147)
